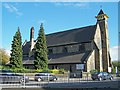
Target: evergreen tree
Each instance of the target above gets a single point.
(41, 58)
(16, 52)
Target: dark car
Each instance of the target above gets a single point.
(101, 76)
(7, 76)
(45, 77)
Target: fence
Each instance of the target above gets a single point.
(41, 80)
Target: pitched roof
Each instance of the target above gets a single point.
(28, 60)
(75, 57)
(77, 35)
(26, 48)
(65, 58)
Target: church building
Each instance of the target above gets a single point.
(84, 48)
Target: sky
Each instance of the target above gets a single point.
(55, 16)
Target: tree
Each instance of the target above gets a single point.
(16, 52)
(41, 58)
(4, 57)
(116, 64)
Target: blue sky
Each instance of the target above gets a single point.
(56, 16)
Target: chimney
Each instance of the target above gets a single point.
(31, 38)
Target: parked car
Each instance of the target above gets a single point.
(45, 77)
(7, 76)
(75, 75)
(102, 76)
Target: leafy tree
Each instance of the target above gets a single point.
(93, 71)
(16, 52)
(41, 58)
(116, 64)
(4, 57)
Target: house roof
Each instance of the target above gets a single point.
(65, 58)
(77, 35)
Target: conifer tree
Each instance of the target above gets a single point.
(41, 58)
(16, 52)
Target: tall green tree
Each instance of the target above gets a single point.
(16, 52)
(41, 57)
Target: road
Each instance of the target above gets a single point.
(65, 83)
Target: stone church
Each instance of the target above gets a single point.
(84, 48)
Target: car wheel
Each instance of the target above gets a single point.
(22, 80)
(111, 78)
(93, 79)
(55, 79)
(39, 79)
(100, 79)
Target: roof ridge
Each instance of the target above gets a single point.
(70, 30)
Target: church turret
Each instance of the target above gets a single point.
(31, 38)
(102, 21)
(101, 16)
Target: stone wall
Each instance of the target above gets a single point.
(91, 62)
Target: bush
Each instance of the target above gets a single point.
(1, 67)
(19, 70)
(4, 67)
(55, 71)
(38, 70)
(46, 71)
(62, 71)
(93, 71)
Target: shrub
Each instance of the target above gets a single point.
(93, 71)
(1, 67)
(38, 70)
(55, 71)
(61, 71)
(17, 70)
(41, 70)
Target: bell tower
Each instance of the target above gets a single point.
(102, 21)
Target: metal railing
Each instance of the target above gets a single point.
(30, 80)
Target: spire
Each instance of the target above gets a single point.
(101, 12)
(101, 16)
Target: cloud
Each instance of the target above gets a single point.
(114, 51)
(12, 9)
(78, 4)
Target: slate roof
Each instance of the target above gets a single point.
(77, 35)
(75, 57)
(26, 48)
(69, 58)
(28, 60)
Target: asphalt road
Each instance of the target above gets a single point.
(107, 84)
